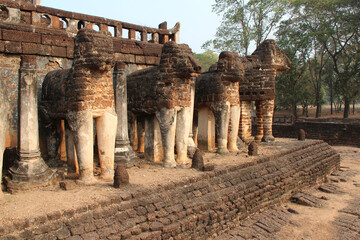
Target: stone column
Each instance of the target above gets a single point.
(123, 150)
(191, 144)
(29, 170)
(245, 121)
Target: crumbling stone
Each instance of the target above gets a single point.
(121, 176)
(163, 95)
(253, 149)
(67, 185)
(301, 135)
(80, 94)
(197, 160)
(259, 85)
(218, 91)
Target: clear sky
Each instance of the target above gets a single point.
(198, 22)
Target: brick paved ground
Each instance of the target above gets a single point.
(328, 211)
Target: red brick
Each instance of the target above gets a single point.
(2, 46)
(21, 36)
(13, 47)
(29, 48)
(58, 51)
(44, 50)
(56, 40)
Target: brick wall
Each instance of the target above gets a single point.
(332, 133)
(194, 208)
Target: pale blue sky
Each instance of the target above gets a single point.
(198, 22)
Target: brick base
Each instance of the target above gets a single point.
(193, 208)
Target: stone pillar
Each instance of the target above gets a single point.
(29, 170)
(259, 120)
(123, 150)
(153, 150)
(245, 121)
(191, 144)
(206, 134)
(268, 112)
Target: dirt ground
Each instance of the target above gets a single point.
(321, 223)
(328, 211)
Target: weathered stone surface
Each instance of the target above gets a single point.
(4, 111)
(206, 204)
(306, 199)
(121, 176)
(301, 135)
(218, 90)
(253, 149)
(167, 85)
(163, 95)
(67, 185)
(259, 85)
(197, 160)
(79, 94)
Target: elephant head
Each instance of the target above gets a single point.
(178, 59)
(94, 50)
(271, 56)
(230, 66)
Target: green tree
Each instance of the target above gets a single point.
(334, 24)
(244, 22)
(206, 59)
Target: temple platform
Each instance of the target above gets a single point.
(161, 203)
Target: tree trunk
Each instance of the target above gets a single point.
(353, 107)
(294, 111)
(346, 107)
(331, 98)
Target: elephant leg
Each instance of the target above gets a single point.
(84, 142)
(222, 114)
(3, 125)
(245, 121)
(52, 141)
(234, 128)
(141, 134)
(259, 120)
(106, 133)
(182, 135)
(133, 132)
(268, 113)
(167, 122)
(72, 163)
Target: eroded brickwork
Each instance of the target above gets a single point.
(164, 86)
(213, 202)
(75, 89)
(221, 82)
(260, 71)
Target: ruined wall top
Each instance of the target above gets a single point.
(30, 12)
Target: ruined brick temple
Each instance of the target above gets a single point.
(95, 92)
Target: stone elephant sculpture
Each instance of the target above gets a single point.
(163, 93)
(217, 91)
(259, 85)
(79, 95)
